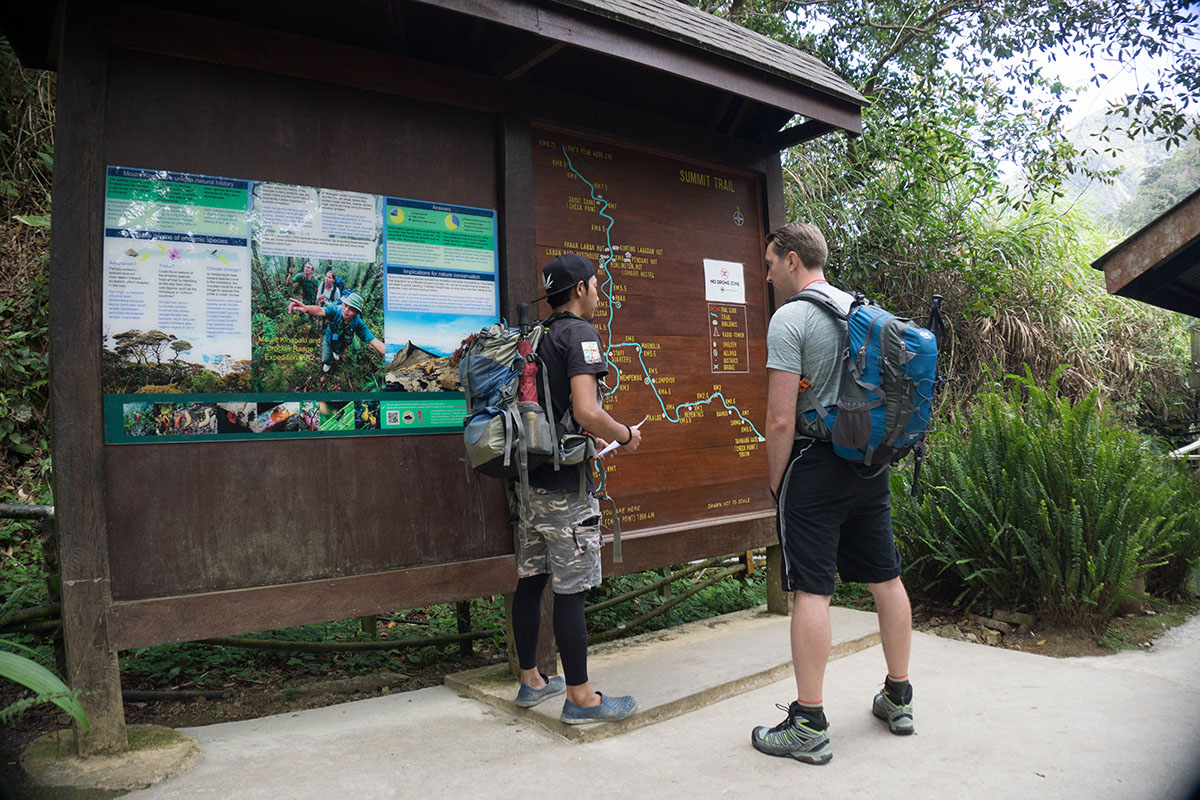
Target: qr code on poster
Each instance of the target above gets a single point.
(393, 418)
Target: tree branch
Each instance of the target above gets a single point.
(909, 32)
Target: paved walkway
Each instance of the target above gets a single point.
(991, 723)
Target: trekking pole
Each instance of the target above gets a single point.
(935, 325)
(938, 329)
(523, 319)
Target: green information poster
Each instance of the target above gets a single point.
(240, 309)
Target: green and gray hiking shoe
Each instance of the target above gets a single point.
(797, 737)
(899, 716)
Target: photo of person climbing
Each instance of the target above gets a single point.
(343, 323)
(317, 324)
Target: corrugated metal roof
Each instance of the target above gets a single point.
(683, 23)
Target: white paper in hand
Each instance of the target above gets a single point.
(608, 448)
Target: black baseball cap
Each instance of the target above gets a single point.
(564, 272)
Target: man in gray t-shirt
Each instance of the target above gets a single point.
(831, 517)
(805, 340)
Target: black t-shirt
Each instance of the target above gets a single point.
(571, 346)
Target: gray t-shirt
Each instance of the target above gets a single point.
(807, 341)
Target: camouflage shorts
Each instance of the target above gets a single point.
(561, 537)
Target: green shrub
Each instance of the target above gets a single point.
(1038, 502)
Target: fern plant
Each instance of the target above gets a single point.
(1040, 502)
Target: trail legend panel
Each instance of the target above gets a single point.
(730, 349)
(682, 319)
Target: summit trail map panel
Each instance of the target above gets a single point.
(682, 319)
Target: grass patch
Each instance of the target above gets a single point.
(1138, 632)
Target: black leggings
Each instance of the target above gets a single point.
(570, 629)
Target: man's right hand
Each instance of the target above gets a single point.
(635, 439)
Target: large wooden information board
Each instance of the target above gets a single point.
(682, 319)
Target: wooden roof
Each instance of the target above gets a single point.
(655, 55)
(676, 20)
(1160, 264)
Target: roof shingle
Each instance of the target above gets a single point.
(681, 22)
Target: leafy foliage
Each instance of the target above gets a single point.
(46, 686)
(1162, 187)
(26, 161)
(915, 59)
(1046, 504)
(919, 204)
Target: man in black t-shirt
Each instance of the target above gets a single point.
(558, 533)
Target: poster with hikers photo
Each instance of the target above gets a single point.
(263, 295)
(316, 288)
(307, 339)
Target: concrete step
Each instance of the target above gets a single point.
(674, 671)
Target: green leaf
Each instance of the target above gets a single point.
(44, 684)
(34, 220)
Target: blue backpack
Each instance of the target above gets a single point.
(885, 394)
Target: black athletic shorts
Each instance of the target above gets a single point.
(832, 518)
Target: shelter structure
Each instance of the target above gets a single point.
(433, 153)
(1160, 264)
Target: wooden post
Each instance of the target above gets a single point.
(520, 278)
(514, 667)
(748, 560)
(547, 654)
(76, 299)
(1195, 381)
(463, 618)
(778, 601)
(547, 651)
(370, 626)
(49, 537)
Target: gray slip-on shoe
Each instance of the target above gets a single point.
(528, 697)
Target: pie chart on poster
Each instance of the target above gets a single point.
(452, 222)
(396, 215)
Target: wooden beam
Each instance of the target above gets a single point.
(515, 71)
(1159, 243)
(676, 544)
(578, 115)
(734, 121)
(519, 274)
(76, 285)
(186, 618)
(798, 133)
(179, 35)
(611, 38)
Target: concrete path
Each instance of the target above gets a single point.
(991, 723)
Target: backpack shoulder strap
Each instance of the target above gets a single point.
(820, 300)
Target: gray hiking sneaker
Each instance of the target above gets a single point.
(528, 697)
(610, 709)
(795, 737)
(899, 717)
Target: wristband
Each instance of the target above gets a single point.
(630, 439)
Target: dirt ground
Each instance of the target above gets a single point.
(282, 693)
